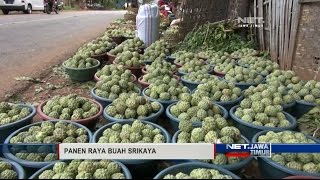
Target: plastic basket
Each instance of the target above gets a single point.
(249, 129)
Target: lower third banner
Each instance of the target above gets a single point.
(136, 151)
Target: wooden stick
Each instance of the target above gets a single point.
(260, 14)
(287, 32)
(273, 32)
(281, 32)
(294, 29)
(270, 24)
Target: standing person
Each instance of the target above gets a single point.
(171, 5)
(163, 11)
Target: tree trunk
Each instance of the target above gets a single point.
(82, 4)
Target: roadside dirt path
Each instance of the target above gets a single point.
(31, 44)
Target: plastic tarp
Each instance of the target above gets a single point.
(148, 22)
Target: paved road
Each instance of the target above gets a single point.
(30, 44)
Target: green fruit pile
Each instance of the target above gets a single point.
(120, 32)
(132, 106)
(265, 67)
(7, 171)
(47, 133)
(283, 77)
(112, 86)
(173, 30)
(162, 64)
(199, 173)
(245, 52)
(97, 47)
(157, 74)
(247, 61)
(158, 49)
(206, 54)
(224, 67)
(138, 132)
(166, 91)
(130, 59)
(260, 110)
(114, 70)
(80, 62)
(194, 65)
(120, 21)
(132, 45)
(306, 162)
(71, 107)
(177, 54)
(194, 108)
(243, 75)
(309, 92)
(12, 113)
(220, 57)
(277, 95)
(184, 57)
(213, 130)
(219, 91)
(84, 169)
(199, 77)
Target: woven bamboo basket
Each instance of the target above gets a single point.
(130, 17)
(172, 38)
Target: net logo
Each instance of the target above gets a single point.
(246, 150)
(250, 22)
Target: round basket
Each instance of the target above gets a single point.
(130, 17)
(171, 38)
(89, 122)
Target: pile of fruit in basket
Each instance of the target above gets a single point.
(133, 45)
(158, 49)
(137, 132)
(132, 107)
(96, 47)
(47, 133)
(130, 59)
(71, 107)
(81, 62)
(166, 91)
(112, 86)
(84, 169)
(11, 113)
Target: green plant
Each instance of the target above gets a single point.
(217, 37)
(310, 123)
